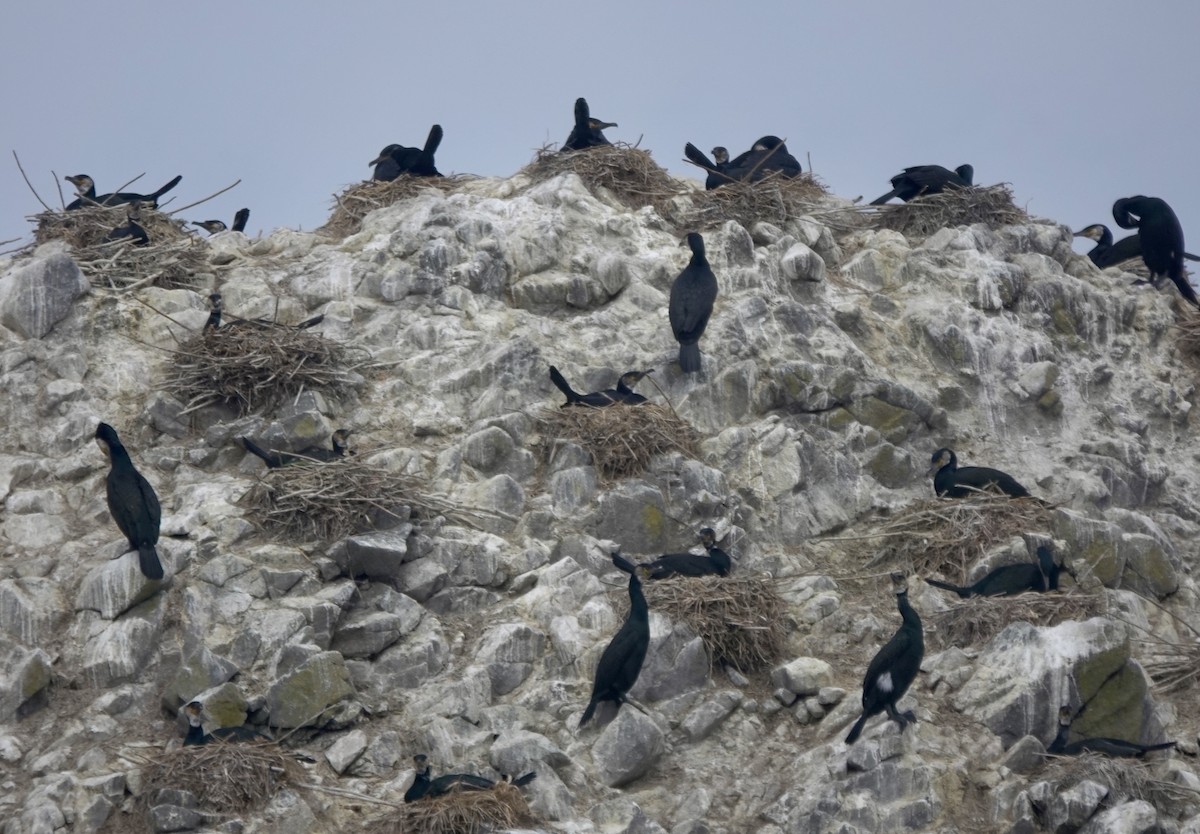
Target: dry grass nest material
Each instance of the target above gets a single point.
(1127, 779)
(463, 812)
(1189, 331)
(621, 439)
(357, 201)
(979, 619)
(773, 199)
(250, 366)
(629, 173)
(225, 777)
(925, 215)
(170, 259)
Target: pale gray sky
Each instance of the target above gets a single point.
(1074, 103)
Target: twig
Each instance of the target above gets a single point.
(206, 199)
(27, 182)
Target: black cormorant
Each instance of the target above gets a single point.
(423, 786)
(132, 502)
(768, 155)
(623, 394)
(1106, 253)
(211, 226)
(926, 179)
(951, 482)
(86, 189)
(274, 459)
(894, 668)
(1107, 746)
(240, 218)
(715, 561)
(132, 229)
(196, 735)
(621, 662)
(395, 160)
(715, 167)
(588, 132)
(1012, 579)
(692, 297)
(1161, 239)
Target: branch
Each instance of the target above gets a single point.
(205, 200)
(27, 182)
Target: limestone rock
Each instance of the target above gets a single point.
(803, 676)
(300, 697)
(627, 748)
(343, 752)
(38, 296)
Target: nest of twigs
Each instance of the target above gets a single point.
(978, 619)
(248, 366)
(630, 174)
(357, 201)
(773, 199)
(1126, 779)
(925, 215)
(1189, 332)
(463, 812)
(622, 439)
(226, 777)
(169, 260)
(1173, 666)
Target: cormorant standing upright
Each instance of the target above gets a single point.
(715, 167)
(692, 297)
(395, 160)
(951, 482)
(715, 561)
(196, 735)
(926, 179)
(621, 662)
(132, 502)
(1107, 746)
(423, 786)
(274, 460)
(1161, 239)
(588, 132)
(86, 189)
(623, 394)
(894, 668)
(1012, 579)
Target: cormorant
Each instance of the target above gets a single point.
(716, 166)
(240, 218)
(716, 561)
(692, 297)
(621, 662)
(951, 482)
(1106, 253)
(588, 132)
(274, 459)
(1012, 579)
(215, 315)
(196, 735)
(769, 154)
(210, 226)
(1161, 239)
(86, 189)
(395, 160)
(1107, 746)
(623, 394)
(894, 668)
(132, 228)
(132, 502)
(423, 786)
(926, 179)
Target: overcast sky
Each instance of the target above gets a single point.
(1074, 103)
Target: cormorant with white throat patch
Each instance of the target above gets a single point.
(1161, 239)
(926, 179)
(85, 187)
(313, 454)
(424, 787)
(214, 226)
(132, 502)
(715, 561)
(623, 394)
(621, 662)
(1013, 579)
(716, 167)
(692, 297)
(951, 482)
(196, 735)
(588, 132)
(395, 160)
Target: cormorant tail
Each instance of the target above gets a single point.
(562, 385)
(697, 156)
(433, 140)
(239, 220)
(269, 458)
(1186, 289)
(962, 592)
(689, 358)
(531, 775)
(148, 561)
(857, 729)
(153, 197)
(879, 201)
(588, 713)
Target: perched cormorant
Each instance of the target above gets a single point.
(1012, 579)
(951, 482)
(621, 662)
(211, 226)
(716, 166)
(1106, 253)
(588, 132)
(86, 189)
(1106, 746)
(196, 735)
(623, 394)
(894, 668)
(395, 160)
(132, 502)
(275, 459)
(1161, 239)
(768, 155)
(423, 786)
(926, 179)
(132, 228)
(240, 218)
(715, 561)
(692, 297)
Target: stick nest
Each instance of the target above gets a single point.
(1173, 665)
(629, 173)
(979, 619)
(172, 257)
(773, 199)
(463, 812)
(925, 215)
(1126, 779)
(1188, 323)
(248, 366)
(226, 777)
(357, 201)
(621, 439)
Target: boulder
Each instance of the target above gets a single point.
(38, 296)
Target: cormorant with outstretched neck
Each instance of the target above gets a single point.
(588, 132)
(1106, 253)
(196, 735)
(894, 668)
(951, 482)
(1161, 239)
(1012, 579)
(425, 787)
(274, 460)
(1107, 746)
(768, 155)
(395, 160)
(623, 394)
(714, 561)
(692, 297)
(214, 226)
(926, 179)
(132, 229)
(621, 662)
(132, 502)
(85, 187)
(715, 167)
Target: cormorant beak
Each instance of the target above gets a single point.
(1091, 233)
(935, 466)
(377, 160)
(596, 124)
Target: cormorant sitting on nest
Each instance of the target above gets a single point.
(1161, 239)
(395, 160)
(716, 561)
(621, 662)
(214, 226)
(692, 297)
(423, 786)
(132, 502)
(716, 166)
(768, 155)
(588, 132)
(951, 482)
(132, 228)
(1107, 746)
(274, 459)
(196, 735)
(926, 179)
(623, 394)
(1106, 253)
(86, 189)
(894, 668)
(1012, 579)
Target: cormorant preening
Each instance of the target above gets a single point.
(951, 482)
(240, 218)
(621, 662)
(715, 561)
(1107, 746)
(86, 189)
(623, 394)
(894, 668)
(768, 155)
(716, 166)
(132, 228)
(196, 735)
(926, 179)
(588, 132)
(1106, 253)
(132, 502)
(423, 786)
(395, 160)
(1161, 237)
(312, 454)
(692, 297)
(1012, 579)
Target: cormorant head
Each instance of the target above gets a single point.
(82, 182)
(1064, 715)
(899, 583)
(942, 457)
(632, 378)
(106, 438)
(215, 300)
(596, 124)
(708, 537)
(1096, 231)
(1127, 211)
(967, 172)
(210, 226)
(768, 143)
(720, 155)
(386, 153)
(134, 211)
(340, 440)
(696, 242)
(195, 713)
